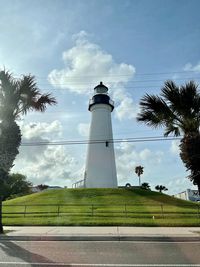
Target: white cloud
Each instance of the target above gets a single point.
(190, 67)
(179, 184)
(126, 108)
(83, 129)
(33, 130)
(145, 154)
(128, 157)
(174, 148)
(86, 64)
(53, 165)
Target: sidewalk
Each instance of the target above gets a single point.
(101, 233)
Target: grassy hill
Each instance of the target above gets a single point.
(123, 206)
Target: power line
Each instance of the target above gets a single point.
(126, 87)
(85, 142)
(63, 87)
(69, 81)
(121, 75)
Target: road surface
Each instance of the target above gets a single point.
(83, 253)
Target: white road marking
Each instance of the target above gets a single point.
(118, 241)
(162, 242)
(99, 265)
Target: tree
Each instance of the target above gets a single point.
(190, 155)
(17, 97)
(42, 187)
(161, 188)
(17, 184)
(145, 186)
(11, 184)
(139, 171)
(177, 109)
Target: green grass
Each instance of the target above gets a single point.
(123, 206)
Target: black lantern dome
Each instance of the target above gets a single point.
(101, 97)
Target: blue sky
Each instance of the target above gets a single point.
(132, 46)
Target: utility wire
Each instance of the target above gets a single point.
(121, 75)
(85, 142)
(126, 87)
(71, 81)
(63, 87)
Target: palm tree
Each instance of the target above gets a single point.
(161, 188)
(139, 171)
(145, 186)
(177, 109)
(17, 97)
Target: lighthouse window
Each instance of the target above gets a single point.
(107, 143)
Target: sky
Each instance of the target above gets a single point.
(133, 46)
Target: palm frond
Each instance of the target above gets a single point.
(28, 92)
(170, 92)
(31, 98)
(150, 119)
(42, 102)
(189, 95)
(8, 95)
(171, 129)
(181, 100)
(154, 111)
(28, 87)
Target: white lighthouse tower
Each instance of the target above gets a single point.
(100, 165)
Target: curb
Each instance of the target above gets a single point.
(103, 238)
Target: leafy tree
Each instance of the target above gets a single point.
(42, 187)
(161, 188)
(11, 184)
(177, 109)
(17, 184)
(145, 186)
(139, 171)
(17, 97)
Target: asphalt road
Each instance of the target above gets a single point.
(75, 253)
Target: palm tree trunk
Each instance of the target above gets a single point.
(139, 181)
(189, 152)
(198, 186)
(10, 141)
(1, 224)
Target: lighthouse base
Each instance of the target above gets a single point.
(95, 185)
(100, 169)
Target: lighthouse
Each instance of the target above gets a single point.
(100, 169)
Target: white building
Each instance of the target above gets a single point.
(189, 194)
(100, 169)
